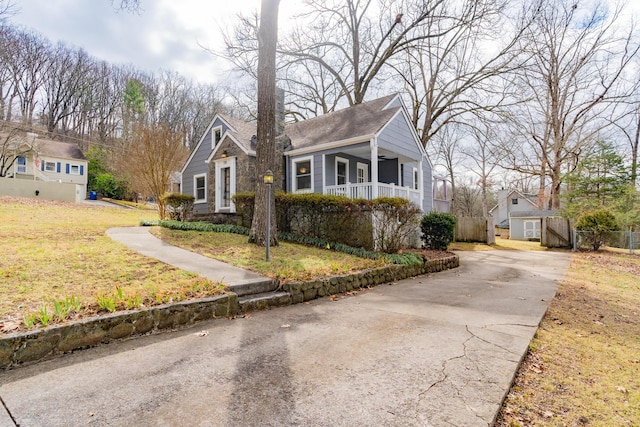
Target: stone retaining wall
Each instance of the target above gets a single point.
(305, 291)
(32, 346)
(29, 347)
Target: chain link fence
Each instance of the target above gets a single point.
(587, 240)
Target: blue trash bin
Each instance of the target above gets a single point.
(93, 195)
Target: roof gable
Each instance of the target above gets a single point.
(241, 133)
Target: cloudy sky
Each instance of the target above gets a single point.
(165, 34)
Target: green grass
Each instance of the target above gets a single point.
(583, 367)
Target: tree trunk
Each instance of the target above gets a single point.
(266, 147)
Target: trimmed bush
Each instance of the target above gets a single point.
(402, 259)
(600, 223)
(179, 205)
(438, 230)
(332, 218)
(396, 220)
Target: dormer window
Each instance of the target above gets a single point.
(514, 201)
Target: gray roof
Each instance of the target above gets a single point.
(59, 149)
(352, 122)
(244, 132)
(48, 147)
(534, 213)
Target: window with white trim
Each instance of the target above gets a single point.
(216, 136)
(342, 171)
(50, 166)
(200, 188)
(74, 169)
(416, 179)
(303, 180)
(363, 173)
(21, 164)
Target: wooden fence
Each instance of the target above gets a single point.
(475, 229)
(556, 232)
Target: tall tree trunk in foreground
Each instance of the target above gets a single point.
(266, 147)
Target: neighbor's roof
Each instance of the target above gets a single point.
(60, 149)
(533, 214)
(48, 147)
(352, 122)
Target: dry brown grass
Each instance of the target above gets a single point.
(501, 244)
(53, 250)
(288, 262)
(583, 367)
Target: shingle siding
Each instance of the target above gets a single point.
(427, 185)
(197, 166)
(398, 137)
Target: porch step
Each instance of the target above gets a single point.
(254, 286)
(263, 301)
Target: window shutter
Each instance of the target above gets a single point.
(42, 165)
(81, 169)
(58, 167)
(67, 169)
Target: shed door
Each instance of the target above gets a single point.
(532, 229)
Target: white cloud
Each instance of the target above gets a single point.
(165, 34)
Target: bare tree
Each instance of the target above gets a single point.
(446, 152)
(355, 43)
(485, 153)
(156, 153)
(629, 125)
(14, 143)
(456, 70)
(579, 53)
(7, 8)
(266, 132)
(31, 58)
(66, 78)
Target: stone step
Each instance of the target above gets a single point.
(263, 301)
(253, 286)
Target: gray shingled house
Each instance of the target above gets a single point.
(368, 150)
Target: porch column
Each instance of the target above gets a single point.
(374, 167)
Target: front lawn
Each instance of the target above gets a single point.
(58, 264)
(288, 261)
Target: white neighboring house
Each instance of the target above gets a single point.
(47, 169)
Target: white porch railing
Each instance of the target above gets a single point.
(365, 191)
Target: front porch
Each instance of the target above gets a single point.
(371, 191)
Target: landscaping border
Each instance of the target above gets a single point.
(32, 346)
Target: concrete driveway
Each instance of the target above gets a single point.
(437, 350)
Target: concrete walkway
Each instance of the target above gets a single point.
(141, 240)
(437, 350)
